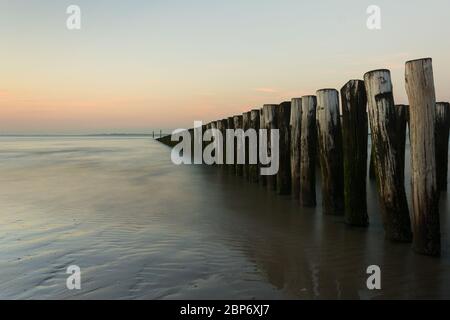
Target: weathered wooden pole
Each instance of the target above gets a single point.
(191, 133)
(262, 126)
(231, 167)
(442, 126)
(425, 196)
(296, 130)
(239, 145)
(270, 118)
(329, 139)
(219, 150)
(401, 116)
(308, 153)
(388, 169)
(254, 124)
(208, 127)
(355, 135)
(284, 172)
(214, 126)
(246, 119)
(223, 125)
(204, 144)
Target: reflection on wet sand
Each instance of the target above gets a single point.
(311, 256)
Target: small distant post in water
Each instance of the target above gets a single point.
(254, 124)
(329, 139)
(425, 197)
(270, 117)
(239, 144)
(388, 169)
(308, 154)
(262, 125)
(160, 133)
(284, 172)
(246, 125)
(442, 133)
(295, 127)
(355, 135)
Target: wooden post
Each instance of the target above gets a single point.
(204, 128)
(246, 119)
(401, 115)
(270, 117)
(231, 167)
(238, 146)
(383, 123)
(308, 154)
(295, 127)
(284, 171)
(214, 126)
(262, 125)
(355, 135)
(442, 132)
(254, 124)
(222, 126)
(425, 196)
(219, 154)
(329, 139)
(191, 133)
(208, 126)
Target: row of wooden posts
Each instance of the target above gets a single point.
(312, 129)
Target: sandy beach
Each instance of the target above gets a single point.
(140, 227)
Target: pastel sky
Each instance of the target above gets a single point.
(141, 65)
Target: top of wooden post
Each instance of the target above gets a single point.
(326, 89)
(376, 70)
(420, 59)
(377, 82)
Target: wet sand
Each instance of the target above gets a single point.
(141, 228)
